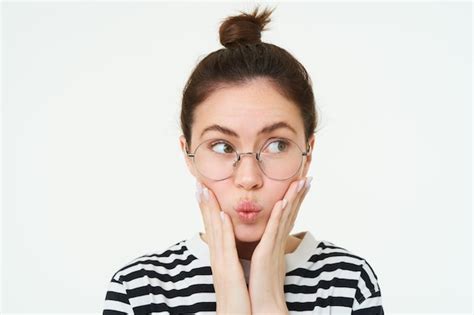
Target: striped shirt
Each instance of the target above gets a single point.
(321, 278)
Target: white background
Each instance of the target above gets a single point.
(92, 173)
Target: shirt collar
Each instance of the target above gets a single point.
(306, 248)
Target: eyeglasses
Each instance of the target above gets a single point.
(279, 158)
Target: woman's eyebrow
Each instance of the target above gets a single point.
(266, 129)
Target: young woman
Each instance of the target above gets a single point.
(248, 119)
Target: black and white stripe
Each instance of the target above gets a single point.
(321, 279)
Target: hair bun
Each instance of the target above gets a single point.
(244, 28)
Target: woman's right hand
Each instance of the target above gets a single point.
(229, 282)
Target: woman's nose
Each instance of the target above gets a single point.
(247, 172)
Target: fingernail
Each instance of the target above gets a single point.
(300, 185)
(198, 196)
(308, 181)
(205, 192)
(283, 204)
(199, 187)
(198, 191)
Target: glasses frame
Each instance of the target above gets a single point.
(257, 157)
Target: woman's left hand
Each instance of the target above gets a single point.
(268, 267)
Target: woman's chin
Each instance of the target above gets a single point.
(248, 233)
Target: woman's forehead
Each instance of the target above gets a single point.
(245, 107)
(248, 121)
(246, 110)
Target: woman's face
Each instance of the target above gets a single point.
(246, 109)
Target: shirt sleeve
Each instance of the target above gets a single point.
(116, 299)
(368, 296)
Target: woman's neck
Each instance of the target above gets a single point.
(245, 249)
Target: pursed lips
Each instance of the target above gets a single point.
(248, 206)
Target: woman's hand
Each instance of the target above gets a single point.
(268, 268)
(229, 282)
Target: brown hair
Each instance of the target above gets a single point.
(244, 58)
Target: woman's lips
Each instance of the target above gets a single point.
(247, 206)
(248, 211)
(248, 216)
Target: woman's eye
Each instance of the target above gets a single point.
(222, 147)
(277, 146)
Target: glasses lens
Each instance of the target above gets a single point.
(214, 159)
(280, 159)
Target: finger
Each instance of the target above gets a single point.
(277, 229)
(209, 219)
(300, 201)
(305, 190)
(294, 191)
(213, 208)
(291, 195)
(230, 249)
(285, 224)
(271, 230)
(224, 241)
(204, 211)
(301, 195)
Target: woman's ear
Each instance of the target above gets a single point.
(309, 156)
(189, 162)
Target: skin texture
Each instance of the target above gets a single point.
(246, 109)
